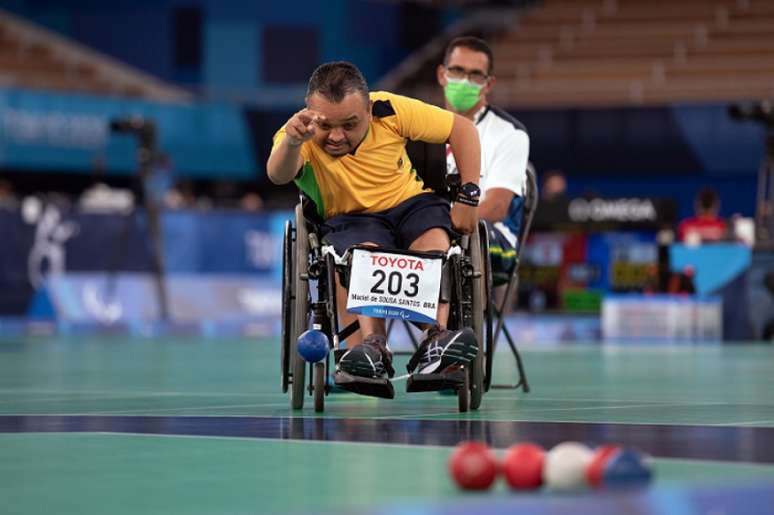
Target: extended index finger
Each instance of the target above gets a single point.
(310, 115)
(305, 115)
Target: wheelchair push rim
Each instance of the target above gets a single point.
(300, 308)
(287, 298)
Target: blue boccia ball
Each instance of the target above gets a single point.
(313, 345)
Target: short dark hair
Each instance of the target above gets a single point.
(336, 80)
(471, 43)
(708, 199)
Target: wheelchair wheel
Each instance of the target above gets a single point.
(488, 307)
(463, 394)
(319, 387)
(300, 307)
(476, 372)
(287, 299)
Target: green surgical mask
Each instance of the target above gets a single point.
(461, 94)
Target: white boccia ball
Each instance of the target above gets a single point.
(565, 466)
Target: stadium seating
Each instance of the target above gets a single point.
(637, 52)
(35, 58)
(563, 53)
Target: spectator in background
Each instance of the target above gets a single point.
(100, 197)
(466, 77)
(182, 196)
(554, 186)
(7, 196)
(706, 225)
(553, 204)
(251, 201)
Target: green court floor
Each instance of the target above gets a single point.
(101, 471)
(708, 385)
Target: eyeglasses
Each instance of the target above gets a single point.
(460, 73)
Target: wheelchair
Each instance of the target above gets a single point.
(309, 299)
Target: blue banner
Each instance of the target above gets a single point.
(40, 131)
(43, 240)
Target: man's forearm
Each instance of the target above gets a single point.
(284, 163)
(494, 207)
(466, 148)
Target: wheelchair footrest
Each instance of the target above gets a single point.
(381, 388)
(435, 382)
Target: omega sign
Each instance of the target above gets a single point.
(612, 210)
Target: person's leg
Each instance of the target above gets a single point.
(435, 239)
(368, 355)
(368, 325)
(427, 227)
(502, 255)
(502, 260)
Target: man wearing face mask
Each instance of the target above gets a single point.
(466, 77)
(346, 151)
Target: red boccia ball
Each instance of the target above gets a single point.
(473, 466)
(523, 466)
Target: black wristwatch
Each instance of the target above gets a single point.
(469, 194)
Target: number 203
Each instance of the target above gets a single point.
(395, 283)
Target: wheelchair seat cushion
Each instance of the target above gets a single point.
(394, 228)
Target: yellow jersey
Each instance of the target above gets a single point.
(378, 175)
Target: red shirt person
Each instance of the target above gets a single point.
(706, 226)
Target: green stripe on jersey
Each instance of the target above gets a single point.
(307, 182)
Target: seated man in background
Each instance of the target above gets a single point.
(346, 151)
(554, 187)
(706, 225)
(466, 78)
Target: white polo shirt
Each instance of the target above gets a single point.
(504, 156)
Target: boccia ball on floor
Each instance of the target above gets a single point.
(522, 466)
(473, 466)
(565, 466)
(613, 466)
(313, 345)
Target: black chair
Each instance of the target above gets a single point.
(512, 285)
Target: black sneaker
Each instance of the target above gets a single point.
(371, 359)
(442, 349)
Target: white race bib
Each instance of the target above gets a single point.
(390, 285)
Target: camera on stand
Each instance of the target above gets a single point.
(141, 128)
(144, 130)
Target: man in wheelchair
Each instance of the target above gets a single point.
(346, 151)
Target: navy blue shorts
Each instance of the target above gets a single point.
(395, 228)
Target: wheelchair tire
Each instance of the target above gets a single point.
(476, 372)
(319, 386)
(300, 307)
(488, 309)
(463, 394)
(287, 299)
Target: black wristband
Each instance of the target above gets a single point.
(468, 201)
(469, 194)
